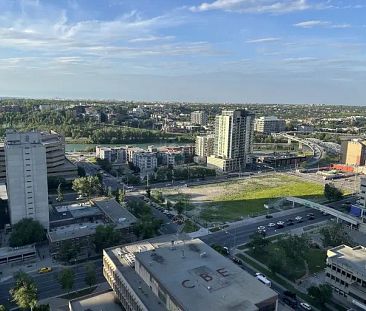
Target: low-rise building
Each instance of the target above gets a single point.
(268, 125)
(115, 155)
(346, 273)
(144, 276)
(145, 161)
(77, 223)
(16, 254)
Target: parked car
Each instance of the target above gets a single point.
(305, 306)
(280, 224)
(271, 225)
(268, 216)
(290, 299)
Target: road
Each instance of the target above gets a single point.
(47, 283)
(236, 236)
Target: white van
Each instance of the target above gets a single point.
(262, 278)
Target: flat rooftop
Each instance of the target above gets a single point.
(352, 257)
(98, 302)
(14, 251)
(115, 212)
(73, 231)
(195, 276)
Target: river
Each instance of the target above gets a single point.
(83, 147)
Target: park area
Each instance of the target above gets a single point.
(235, 200)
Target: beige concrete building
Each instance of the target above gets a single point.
(346, 273)
(26, 177)
(165, 274)
(234, 131)
(354, 152)
(57, 163)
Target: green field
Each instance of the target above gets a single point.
(293, 269)
(247, 198)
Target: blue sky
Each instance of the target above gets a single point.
(266, 51)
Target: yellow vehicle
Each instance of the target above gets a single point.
(45, 270)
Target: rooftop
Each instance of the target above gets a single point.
(73, 231)
(205, 279)
(115, 212)
(99, 302)
(14, 251)
(352, 257)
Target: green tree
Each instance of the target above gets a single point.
(120, 196)
(26, 231)
(179, 207)
(66, 279)
(147, 226)
(90, 276)
(105, 236)
(321, 293)
(334, 235)
(258, 243)
(60, 195)
(68, 251)
(24, 293)
(89, 185)
(2, 308)
(332, 193)
(148, 192)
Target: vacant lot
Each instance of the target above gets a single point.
(234, 200)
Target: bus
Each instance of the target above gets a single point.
(260, 277)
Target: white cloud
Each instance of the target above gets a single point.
(318, 23)
(264, 40)
(311, 24)
(258, 6)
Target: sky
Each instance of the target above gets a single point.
(242, 51)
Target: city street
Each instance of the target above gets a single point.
(48, 285)
(241, 234)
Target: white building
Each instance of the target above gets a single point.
(268, 125)
(26, 177)
(234, 130)
(199, 117)
(145, 161)
(205, 145)
(116, 155)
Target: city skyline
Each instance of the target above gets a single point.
(266, 51)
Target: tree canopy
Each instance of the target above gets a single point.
(24, 293)
(26, 231)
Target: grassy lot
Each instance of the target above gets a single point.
(189, 226)
(294, 268)
(247, 198)
(316, 260)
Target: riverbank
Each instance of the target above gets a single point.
(80, 147)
